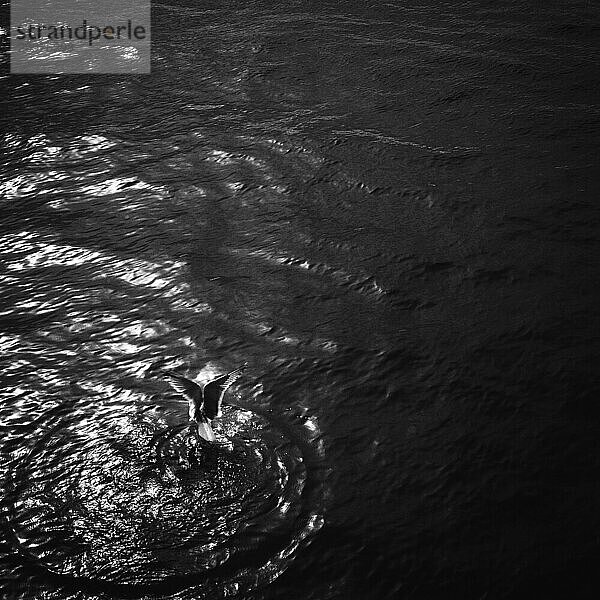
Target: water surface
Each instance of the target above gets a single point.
(389, 211)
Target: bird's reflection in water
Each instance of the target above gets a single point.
(200, 453)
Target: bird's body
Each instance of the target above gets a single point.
(204, 402)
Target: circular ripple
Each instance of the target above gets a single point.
(112, 506)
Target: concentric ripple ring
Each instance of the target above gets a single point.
(117, 507)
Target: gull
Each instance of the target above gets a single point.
(204, 402)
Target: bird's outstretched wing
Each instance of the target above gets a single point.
(215, 390)
(190, 390)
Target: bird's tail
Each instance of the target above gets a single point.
(205, 431)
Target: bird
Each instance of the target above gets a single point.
(204, 402)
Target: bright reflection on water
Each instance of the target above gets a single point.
(106, 487)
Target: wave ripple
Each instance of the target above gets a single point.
(148, 513)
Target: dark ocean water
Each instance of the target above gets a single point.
(390, 210)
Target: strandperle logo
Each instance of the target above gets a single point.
(90, 32)
(80, 36)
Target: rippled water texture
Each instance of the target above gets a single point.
(388, 210)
